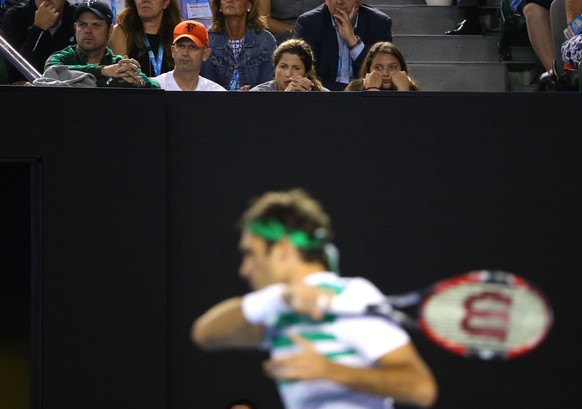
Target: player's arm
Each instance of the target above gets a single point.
(224, 325)
(400, 374)
(238, 322)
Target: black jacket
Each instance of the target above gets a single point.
(34, 44)
(315, 27)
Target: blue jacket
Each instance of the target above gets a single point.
(255, 61)
(315, 27)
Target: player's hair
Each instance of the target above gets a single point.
(294, 211)
(246, 402)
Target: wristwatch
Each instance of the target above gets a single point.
(357, 43)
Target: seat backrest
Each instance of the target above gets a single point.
(558, 23)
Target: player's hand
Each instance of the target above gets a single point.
(45, 16)
(245, 88)
(306, 365)
(307, 300)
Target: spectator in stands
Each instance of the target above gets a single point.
(144, 31)
(572, 47)
(470, 25)
(294, 71)
(36, 29)
(241, 404)
(242, 48)
(5, 5)
(189, 51)
(281, 15)
(93, 28)
(537, 20)
(340, 32)
(384, 69)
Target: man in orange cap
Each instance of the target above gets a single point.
(189, 51)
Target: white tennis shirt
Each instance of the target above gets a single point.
(353, 341)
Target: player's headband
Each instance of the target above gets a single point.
(273, 230)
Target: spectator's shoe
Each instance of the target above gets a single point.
(467, 27)
(547, 82)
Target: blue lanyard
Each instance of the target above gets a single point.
(234, 81)
(156, 63)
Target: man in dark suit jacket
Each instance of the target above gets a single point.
(340, 34)
(36, 29)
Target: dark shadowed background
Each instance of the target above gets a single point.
(139, 238)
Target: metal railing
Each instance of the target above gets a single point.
(18, 61)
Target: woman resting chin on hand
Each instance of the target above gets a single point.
(294, 71)
(384, 69)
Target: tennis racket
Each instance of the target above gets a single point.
(481, 314)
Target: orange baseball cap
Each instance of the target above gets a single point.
(193, 30)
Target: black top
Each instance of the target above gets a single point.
(315, 27)
(144, 59)
(34, 44)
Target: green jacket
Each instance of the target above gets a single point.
(73, 57)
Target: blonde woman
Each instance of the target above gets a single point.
(242, 48)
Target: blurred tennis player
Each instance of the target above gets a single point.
(323, 361)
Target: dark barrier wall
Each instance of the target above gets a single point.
(419, 186)
(16, 355)
(103, 156)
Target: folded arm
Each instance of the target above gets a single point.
(400, 374)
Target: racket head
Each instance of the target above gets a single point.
(486, 314)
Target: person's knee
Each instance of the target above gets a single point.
(534, 12)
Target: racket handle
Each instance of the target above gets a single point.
(386, 311)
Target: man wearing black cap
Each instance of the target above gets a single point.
(93, 28)
(36, 29)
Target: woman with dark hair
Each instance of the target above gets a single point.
(383, 69)
(145, 31)
(242, 48)
(294, 70)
